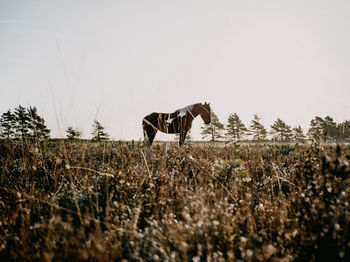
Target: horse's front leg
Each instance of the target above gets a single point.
(182, 137)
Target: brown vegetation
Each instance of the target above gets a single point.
(113, 201)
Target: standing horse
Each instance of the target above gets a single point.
(179, 121)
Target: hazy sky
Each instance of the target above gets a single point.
(117, 61)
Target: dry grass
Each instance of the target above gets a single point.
(114, 201)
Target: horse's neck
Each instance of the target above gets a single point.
(195, 110)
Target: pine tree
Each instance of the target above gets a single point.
(214, 129)
(257, 130)
(316, 131)
(344, 131)
(37, 125)
(281, 131)
(7, 124)
(42, 130)
(22, 122)
(73, 133)
(298, 134)
(98, 132)
(235, 127)
(330, 129)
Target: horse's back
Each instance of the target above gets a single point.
(151, 116)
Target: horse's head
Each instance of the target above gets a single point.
(205, 113)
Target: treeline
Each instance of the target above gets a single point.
(26, 124)
(324, 130)
(23, 123)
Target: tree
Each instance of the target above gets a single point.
(298, 134)
(316, 131)
(281, 131)
(98, 132)
(330, 129)
(7, 123)
(324, 130)
(344, 131)
(22, 122)
(235, 127)
(257, 130)
(73, 133)
(37, 127)
(214, 129)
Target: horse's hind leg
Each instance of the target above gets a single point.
(151, 136)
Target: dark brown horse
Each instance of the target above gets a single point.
(179, 122)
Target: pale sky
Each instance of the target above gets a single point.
(117, 61)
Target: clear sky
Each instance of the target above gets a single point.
(117, 61)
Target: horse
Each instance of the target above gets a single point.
(178, 122)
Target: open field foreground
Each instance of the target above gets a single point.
(84, 201)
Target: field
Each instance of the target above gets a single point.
(84, 201)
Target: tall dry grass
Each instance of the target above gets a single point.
(114, 201)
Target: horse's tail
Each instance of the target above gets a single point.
(145, 135)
